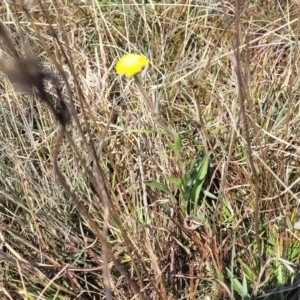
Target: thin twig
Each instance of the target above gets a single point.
(242, 98)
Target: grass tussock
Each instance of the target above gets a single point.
(184, 186)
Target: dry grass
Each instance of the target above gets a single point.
(105, 219)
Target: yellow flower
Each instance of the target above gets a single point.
(131, 64)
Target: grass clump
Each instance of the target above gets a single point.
(181, 183)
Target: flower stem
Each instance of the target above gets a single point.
(151, 107)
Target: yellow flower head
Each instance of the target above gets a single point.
(131, 64)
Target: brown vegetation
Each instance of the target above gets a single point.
(102, 198)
